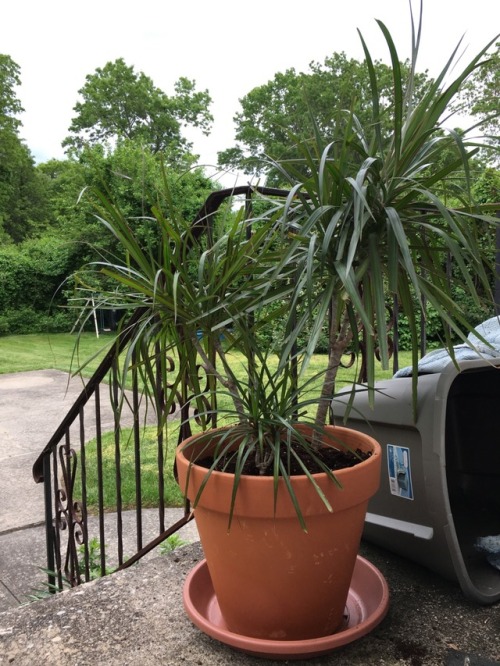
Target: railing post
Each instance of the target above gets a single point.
(49, 527)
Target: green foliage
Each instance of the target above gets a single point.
(35, 274)
(30, 275)
(376, 206)
(433, 329)
(374, 220)
(486, 187)
(47, 589)
(479, 97)
(132, 175)
(188, 296)
(10, 106)
(24, 319)
(485, 190)
(149, 471)
(278, 114)
(120, 104)
(24, 207)
(171, 543)
(64, 181)
(92, 560)
(23, 203)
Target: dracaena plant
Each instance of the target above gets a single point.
(200, 298)
(195, 290)
(373, 220)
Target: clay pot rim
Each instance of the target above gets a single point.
(375, 448)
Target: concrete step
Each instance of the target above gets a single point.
(136, 617)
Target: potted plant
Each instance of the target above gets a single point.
(363, 221)
(202, 302)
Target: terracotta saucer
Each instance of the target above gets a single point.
(367, 605)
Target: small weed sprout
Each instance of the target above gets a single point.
(171, 543)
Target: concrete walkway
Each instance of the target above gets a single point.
(32, 405)
(137, 617)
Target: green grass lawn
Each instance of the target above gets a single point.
(58, 351)
(149, 471)
(37, 351)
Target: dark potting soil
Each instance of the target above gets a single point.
(333, 458)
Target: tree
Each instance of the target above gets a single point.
(10, 106)
(22, 198)
(285, 107)
(132, 175)
(35, 272)
(30, 274)
(480, 95)
(119, 103)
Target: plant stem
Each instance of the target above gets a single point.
(226, 381)
(339, 341)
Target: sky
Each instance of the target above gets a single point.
(228, 47)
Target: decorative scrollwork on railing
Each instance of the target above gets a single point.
(352, 360)
(195, 404)
(70, 513)
(204, 416)
(352, 356)
(67, 460)
(169, 387)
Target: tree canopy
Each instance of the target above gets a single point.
(127, 136)
(119, 103)
(10, 106)
(22, 197)
(481, 93)
(275, 115)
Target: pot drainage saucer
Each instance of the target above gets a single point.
(367, 605)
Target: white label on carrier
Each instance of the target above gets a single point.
(398, 463)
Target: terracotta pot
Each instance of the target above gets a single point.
(272, 580)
